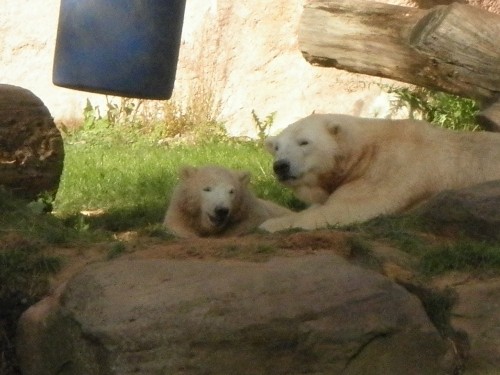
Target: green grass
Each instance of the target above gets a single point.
(407, 234)
(466, 255)
(401, 231)
(132, 183)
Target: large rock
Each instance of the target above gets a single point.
(31, 146)
(302, 315)
(474, 210)
(477, 313)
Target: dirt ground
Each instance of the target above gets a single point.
(255, 247)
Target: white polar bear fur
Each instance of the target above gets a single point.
(353, 169)
(204, 190)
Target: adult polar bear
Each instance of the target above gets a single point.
(353, 169)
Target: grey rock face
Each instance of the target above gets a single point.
(306, 315)
(477, 313)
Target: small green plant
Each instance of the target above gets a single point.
(446, 110)
(263, 126)
(117, 249)
(91, 114)
(133, 119)
(122, 113)
(43, 204)
(119, 112)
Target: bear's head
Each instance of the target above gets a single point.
(213, 197)
(307, 155)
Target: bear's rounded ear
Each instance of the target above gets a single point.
(334, 128)
(187, 172)
(244, 177)
(269, 144)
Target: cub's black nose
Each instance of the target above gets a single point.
(220, 216)
(282, 169)
(221, 213)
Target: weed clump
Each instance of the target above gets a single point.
(446, 110)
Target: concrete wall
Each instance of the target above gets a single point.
(246, 53)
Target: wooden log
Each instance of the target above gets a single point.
(358, 36)
(384, 40)
(463, 45)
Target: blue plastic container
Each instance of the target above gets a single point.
(119, 47)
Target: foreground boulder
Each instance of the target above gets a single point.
(477, 313)
(31, 146)
(301, 315)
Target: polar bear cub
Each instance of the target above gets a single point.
(353, 169)
(216, 201)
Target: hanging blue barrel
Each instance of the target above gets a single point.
(119, 47)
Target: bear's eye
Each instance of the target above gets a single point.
(208, 188)
(276, 148)
(303, 143)
(231, 191)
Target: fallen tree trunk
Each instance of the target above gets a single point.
(451, 48)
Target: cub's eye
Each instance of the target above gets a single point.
(208, 188)
(276, 148)
(303, 143)
(231, 191)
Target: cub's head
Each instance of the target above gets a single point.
(212, 196)
(306, 155)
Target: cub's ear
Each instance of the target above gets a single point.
(334, 128)
(244, 177)
(187, 172)
(269, 144)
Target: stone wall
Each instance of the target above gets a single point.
(246, 53)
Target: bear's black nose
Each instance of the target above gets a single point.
(282, 169)
(221, 213)
(220, 216)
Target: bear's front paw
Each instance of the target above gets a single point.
(277, 224)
